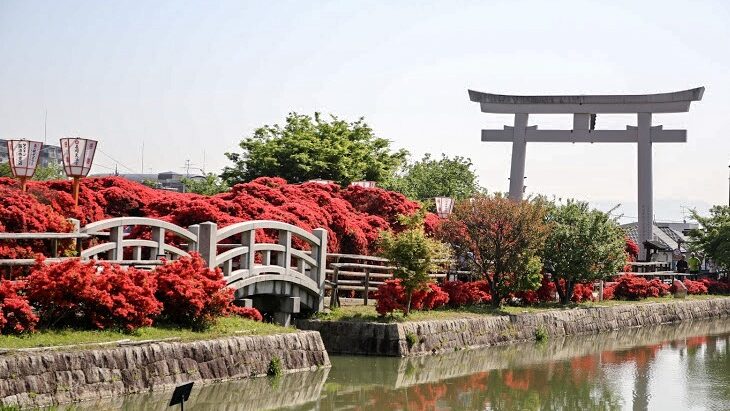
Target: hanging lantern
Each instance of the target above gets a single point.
(78, 155)
(320, 181)
(444, 206)
(23, 155)
(366, 184)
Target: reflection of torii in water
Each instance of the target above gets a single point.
(584, 109)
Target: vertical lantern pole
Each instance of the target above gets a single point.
(78, 155)
(76, 190)
(23, 156)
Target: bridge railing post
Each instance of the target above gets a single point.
(208, 242)
(116, 236)
(320, 254)
(76, 228)
(193, 245)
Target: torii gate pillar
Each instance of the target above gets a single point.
(584, 109)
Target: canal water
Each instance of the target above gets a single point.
(671, 367)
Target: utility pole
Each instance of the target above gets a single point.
(45, 128)
(187, 168)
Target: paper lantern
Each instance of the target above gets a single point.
(78, 155)
(366, 184)
(23, 156)
(320, 181)
(444, 206)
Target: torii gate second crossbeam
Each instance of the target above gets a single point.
(584, 109)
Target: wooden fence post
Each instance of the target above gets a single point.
(335, 297)
(367, 285)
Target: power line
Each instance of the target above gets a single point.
(117, 161)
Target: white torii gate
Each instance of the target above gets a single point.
(584, 108)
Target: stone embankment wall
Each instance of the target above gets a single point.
(42, 378)
(392, 339)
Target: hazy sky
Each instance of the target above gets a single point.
(188, 78)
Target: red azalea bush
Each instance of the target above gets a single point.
(353, 216)
(582, 292)
(632, 287)
(192, 294)
(80, 294)
(721, 286)
(694, 287)
(126, 298)
(16, 314)
(658, 288)
(77, 294)
(391, 296)
(608, 291)
(467, 293)
(428, 299)
(545, 294)
(246, 312)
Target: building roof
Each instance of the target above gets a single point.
(664, 237)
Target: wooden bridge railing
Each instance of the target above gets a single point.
(363, 274)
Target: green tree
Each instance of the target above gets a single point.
(413, 254)
(583, 245)
(501, 239)
(151, 183)
(5, 170)
(307, 148)
(209, 185)
(53, 171)
(429, 178)
(712, 239)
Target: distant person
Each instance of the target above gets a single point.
(694, 265)
(682, 264)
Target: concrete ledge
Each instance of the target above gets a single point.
(40, 379)
(368, 338)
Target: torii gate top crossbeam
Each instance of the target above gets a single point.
(676, 102)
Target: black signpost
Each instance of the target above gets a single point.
(180, 395)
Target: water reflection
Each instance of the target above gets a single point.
(685, 366)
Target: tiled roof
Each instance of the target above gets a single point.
(632, 232)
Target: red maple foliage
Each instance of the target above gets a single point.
(16, 314)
